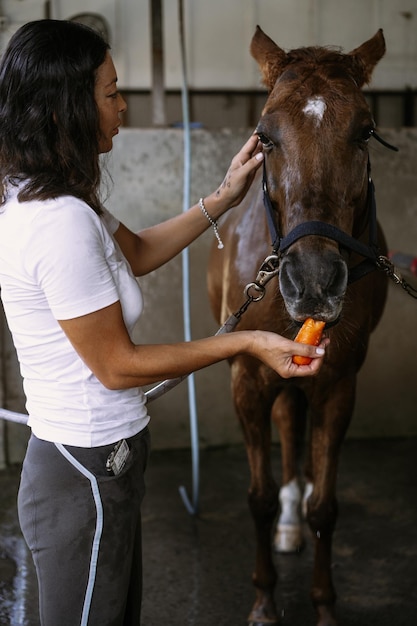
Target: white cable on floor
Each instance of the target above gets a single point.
(11, 416)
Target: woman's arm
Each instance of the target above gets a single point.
(103, 343)
(154, 246)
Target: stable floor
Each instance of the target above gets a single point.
(198, 569)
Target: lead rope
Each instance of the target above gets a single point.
(254, 292)
(383, 263)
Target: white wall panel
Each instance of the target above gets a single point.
(218, 34)
(14, 13)
(107, 9)
(399, 20)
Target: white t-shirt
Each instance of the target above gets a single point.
(59, 260)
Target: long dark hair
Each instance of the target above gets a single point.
(49, 123)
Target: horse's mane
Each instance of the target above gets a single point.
(326, 60)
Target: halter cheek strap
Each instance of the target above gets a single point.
(370, 252)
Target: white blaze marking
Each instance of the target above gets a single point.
(316, 108)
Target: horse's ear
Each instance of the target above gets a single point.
(270, 57)
(367, 56)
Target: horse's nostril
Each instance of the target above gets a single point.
(291, 280)
(338, 278)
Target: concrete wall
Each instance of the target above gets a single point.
(147, 171)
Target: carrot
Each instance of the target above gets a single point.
(310, 332)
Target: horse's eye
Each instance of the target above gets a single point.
(364, 136)
(265, 141)
(367, 133)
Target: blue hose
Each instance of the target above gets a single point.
(192, 506)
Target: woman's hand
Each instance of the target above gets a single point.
(277, 352)
(154, 246)
(238, 179)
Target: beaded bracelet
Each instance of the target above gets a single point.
(212, 222)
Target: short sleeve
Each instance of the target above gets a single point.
(111, 222)
(69, 256)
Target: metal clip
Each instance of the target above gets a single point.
(260, 289)
(386, 266)
(269, 269)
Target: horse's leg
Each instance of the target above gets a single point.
(330, 419)
(289, 415)
(253, 411)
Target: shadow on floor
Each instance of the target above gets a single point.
(198, 570)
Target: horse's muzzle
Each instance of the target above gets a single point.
(313, 284)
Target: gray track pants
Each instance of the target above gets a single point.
(83, 528)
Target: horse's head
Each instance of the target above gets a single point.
(315, 128)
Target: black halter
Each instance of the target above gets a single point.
(370, 252)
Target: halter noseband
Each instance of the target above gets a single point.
(370, 252)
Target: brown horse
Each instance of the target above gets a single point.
(314, 128)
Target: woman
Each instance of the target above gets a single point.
(67, 272)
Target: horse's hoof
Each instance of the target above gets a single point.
(263, 616)
(288, 538)
(325, 616)
(263, 622)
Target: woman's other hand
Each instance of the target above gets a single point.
(277, 352)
